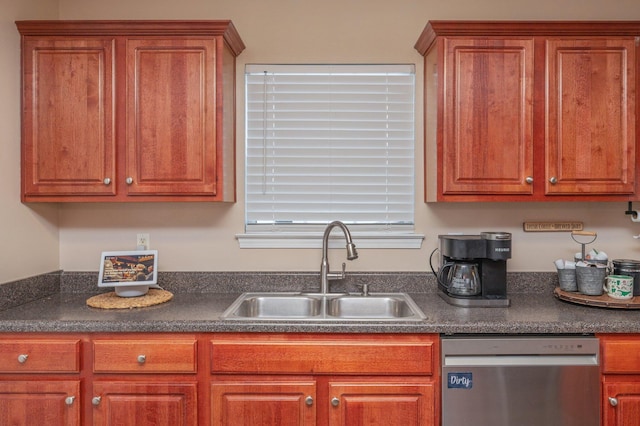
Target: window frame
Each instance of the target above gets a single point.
(308, 235)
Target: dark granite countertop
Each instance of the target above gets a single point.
(197, 307)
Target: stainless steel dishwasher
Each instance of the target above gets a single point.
(520, 381)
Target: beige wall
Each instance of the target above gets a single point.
(28, 236)
(202, 236)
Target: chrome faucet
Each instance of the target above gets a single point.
(325, 274)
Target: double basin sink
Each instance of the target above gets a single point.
(324, 307)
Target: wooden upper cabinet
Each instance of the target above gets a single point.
(487, 139)
(68, 127)
(530, 111)
(590, 138)
(170, 133)
(128, 110)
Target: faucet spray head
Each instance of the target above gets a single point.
(352, 253)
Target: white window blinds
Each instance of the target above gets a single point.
(329, 142)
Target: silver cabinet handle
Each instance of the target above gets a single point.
(96, 400)
(69, 400)
(309, 401)
(553, 180)
(142, 359)
(22, 358)
(529, 179)
(335, 401)
(106, 181)
(129, 180)
(613, 401)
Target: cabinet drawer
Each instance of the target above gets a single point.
(40, 356)
(621, 355)
(324, 354)
(144, 356)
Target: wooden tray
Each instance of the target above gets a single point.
(603, 301)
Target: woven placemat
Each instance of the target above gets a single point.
(112, 301)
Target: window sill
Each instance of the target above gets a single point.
(313, 240)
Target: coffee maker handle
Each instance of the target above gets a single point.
(441, 274)
(438, 274)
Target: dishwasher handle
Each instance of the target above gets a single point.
(518, 360)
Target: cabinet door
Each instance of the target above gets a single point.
(621, 405)
(27, 403)
(265, 402)
(171, 110)
(590, 137)
(384, 404)
(68, 121)
(145, 404)
(487, 140)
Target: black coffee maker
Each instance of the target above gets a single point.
(469, 258)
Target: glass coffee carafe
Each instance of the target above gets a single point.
(462, 278)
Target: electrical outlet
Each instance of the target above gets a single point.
(142, 243)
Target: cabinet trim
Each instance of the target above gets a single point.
(456, 28)
(165, 28)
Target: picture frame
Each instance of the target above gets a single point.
(131, 273)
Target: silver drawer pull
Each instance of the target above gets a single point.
(69, 400)
(96, 400)
(107, 181)
(142, 359)
(309, 401)
(613, 401)
(22, 358)
(335, 401)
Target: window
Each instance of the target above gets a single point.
(329, 142)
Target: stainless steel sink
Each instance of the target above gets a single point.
(318, 307)
(397, 306)
(276, 306)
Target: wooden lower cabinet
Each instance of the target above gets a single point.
(333, 401)
(230, 379)
(620, 354)
(329, 380)
(239, 401)
(395, 403)
(140, 403)
(621, 406)
(40, 380)
(39, 402)
(144, 380)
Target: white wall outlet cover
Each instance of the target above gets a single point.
(142, 242)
